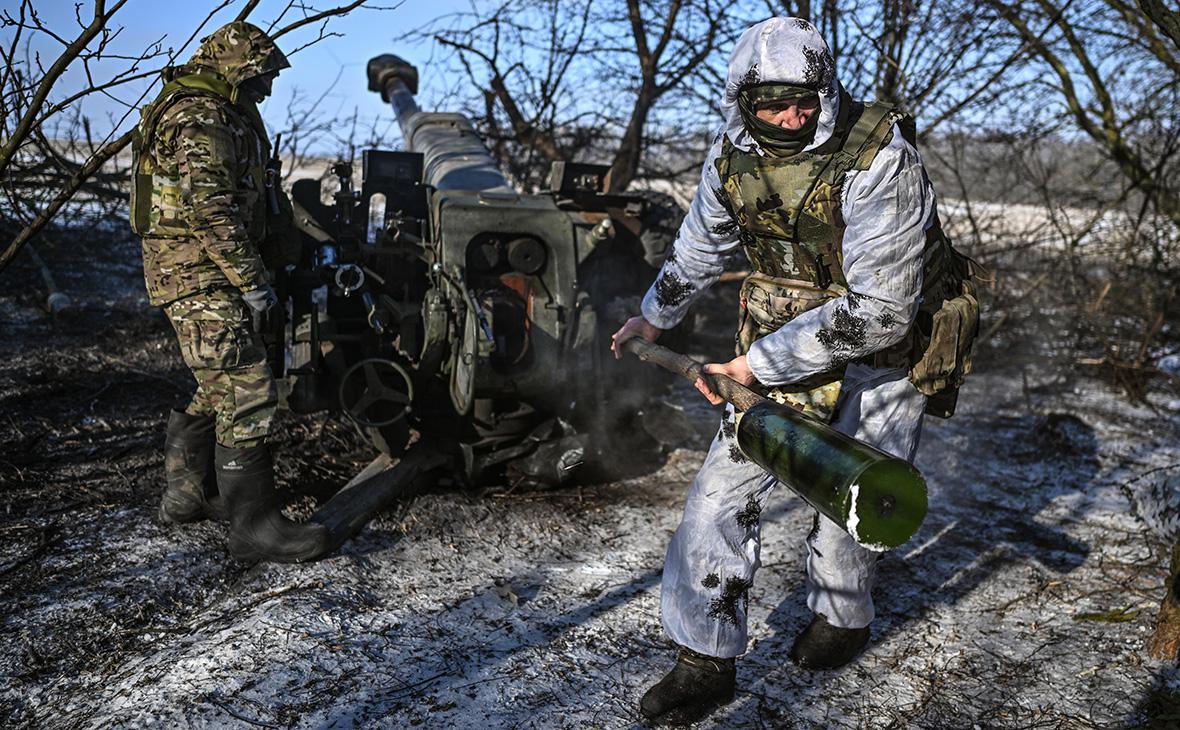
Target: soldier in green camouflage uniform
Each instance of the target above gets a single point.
(200, 203)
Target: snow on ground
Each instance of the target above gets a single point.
(1024, 601)
(541, 610)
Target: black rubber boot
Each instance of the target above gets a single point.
(257, 528)
(190, 489)
(696, 686)
(823, 646)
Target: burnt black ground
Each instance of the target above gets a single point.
(83, 401)
(541, 610)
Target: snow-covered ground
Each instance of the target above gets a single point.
(541, 610)
(1025, 600)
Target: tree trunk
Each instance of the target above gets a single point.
(626, 162)
(1165, 642)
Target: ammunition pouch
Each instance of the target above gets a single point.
(768, 303)
(945, 333)
(141, 195)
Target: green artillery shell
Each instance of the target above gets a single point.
(878, 499)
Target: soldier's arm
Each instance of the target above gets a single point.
(207, 159)
(887, 209)
(696, 259)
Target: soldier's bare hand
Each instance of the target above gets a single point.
(635, 327)
(736, 369)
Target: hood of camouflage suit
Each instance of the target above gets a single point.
(786, 51)
(238, 51)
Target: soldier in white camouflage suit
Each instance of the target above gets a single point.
(829, 200)
(200, 205)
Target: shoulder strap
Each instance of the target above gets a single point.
(870, 119)
(869, 133)
(722, 162)
(176, 89)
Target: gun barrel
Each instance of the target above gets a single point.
(454, 156)
(403, 102)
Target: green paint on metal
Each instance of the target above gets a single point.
(878, 499)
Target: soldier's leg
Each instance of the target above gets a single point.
(708, 570)
(201, 404)
(244, 401)
(234, 383)
(714, 553)
(229, 361)
(190, 492)
(881, 408)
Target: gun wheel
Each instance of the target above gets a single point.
(376, 393)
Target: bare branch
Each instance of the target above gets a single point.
(1167, 19)
(21, 132)
(249, 8)
(67, 192)
(317, 17)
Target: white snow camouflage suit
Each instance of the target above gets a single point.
(887, 209)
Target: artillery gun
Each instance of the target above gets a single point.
(438, 298)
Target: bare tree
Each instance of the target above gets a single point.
(574, 80)
(636, 83)
(1118, 81)
(48, 157)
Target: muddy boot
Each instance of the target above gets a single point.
(696, 686)
(190, 491)
(257, 528)
(823, 646)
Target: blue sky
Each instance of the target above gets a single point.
(334, 67)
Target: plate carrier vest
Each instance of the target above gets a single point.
(149, 182)
(787, 210)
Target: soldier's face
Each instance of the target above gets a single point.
(259, 87)
(792, 114)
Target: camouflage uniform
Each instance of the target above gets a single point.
(200, 206)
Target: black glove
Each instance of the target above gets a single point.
(261, 299)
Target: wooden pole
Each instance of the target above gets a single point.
(56, 301)
(739, 395)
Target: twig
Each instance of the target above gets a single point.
(230, 711)
(341, 10)
(51, 536)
